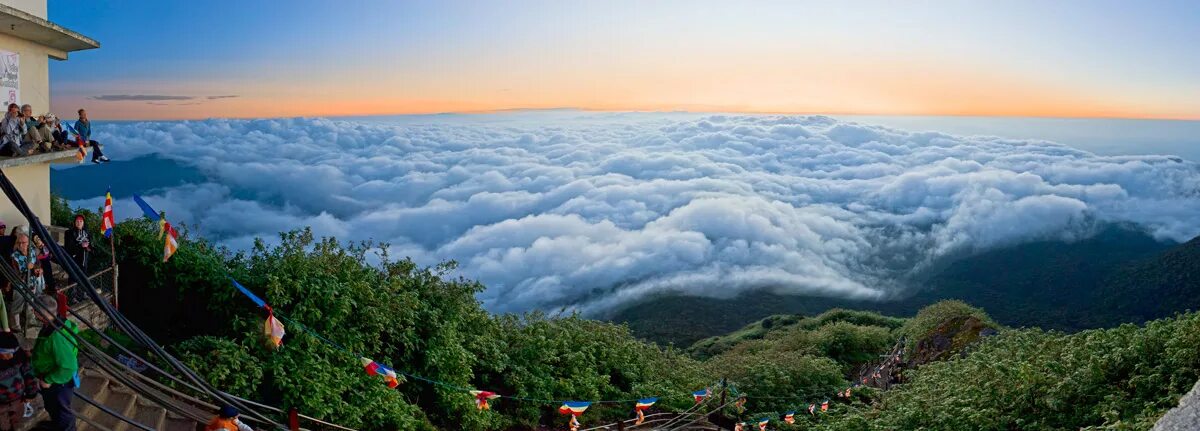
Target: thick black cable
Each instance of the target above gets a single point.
(90, 350)
(119, 416)
(76, 273)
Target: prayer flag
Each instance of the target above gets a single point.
(739, 427)
(700, 395)
(171, 244)
(741, 403)
(370, 366)
(762, 424)
(641, 407)
(812, 409)
(273, 329)
(482, 397)
(789, 417)
(825, 406)
(575, 409)
(107, 218)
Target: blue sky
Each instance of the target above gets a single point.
(1064, 58)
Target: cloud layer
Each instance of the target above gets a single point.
(593, 211)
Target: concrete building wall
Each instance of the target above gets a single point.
(35, 73)
(33, 7)
(33, 181)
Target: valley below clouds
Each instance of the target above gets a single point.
(595, 211)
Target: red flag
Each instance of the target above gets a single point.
(107, 216)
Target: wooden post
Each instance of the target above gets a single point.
(112, 249)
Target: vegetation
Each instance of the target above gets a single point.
(1120, 275)
(930, 318)
(797, 327)
(428, 323)
(413, 319)
(1123, 378)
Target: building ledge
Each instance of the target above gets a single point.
(51, 157)
(18, 23)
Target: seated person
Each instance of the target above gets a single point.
(61, 138)
(84, 128)
(12, 129)
(37, 132)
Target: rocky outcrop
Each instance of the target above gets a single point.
(1185, 417)
(952, 337)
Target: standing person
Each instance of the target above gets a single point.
(79, 242)
(55, 363)
(84, 128)
(12, 130)
(23, 263)
(44, 258)
(227, 420)
(17, 383)
(6, 241)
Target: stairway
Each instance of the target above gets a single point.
(120, 399)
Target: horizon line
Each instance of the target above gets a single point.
(666, 111)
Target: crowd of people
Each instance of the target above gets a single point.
(51, 366)
(22, 133)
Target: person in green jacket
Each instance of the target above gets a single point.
(55, 363)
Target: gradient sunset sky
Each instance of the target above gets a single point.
(1075, 58)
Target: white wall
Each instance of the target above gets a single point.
(33, 7)
(33, 181)
(35, 72)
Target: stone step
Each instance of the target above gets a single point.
(121, 399)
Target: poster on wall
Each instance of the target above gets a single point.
(10, 87)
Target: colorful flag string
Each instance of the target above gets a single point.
(483, 399)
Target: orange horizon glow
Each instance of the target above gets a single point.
(828, 83)
(865, 57)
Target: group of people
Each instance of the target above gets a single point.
(51, 367)
(22, 133)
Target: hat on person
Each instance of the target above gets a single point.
(228, 412)
(9, 343)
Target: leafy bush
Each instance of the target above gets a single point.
(851, 344)
(1121, 378)
(785, 327)
(929, 318)
(223, 363)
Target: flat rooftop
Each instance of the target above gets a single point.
(18, 23)
(50, 157)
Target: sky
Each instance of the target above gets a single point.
(1071, 58)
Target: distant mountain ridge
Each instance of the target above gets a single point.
(1119, 275)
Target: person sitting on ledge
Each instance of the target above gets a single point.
(37, 132)
(12, 129)
(60, 136)
(84, 128)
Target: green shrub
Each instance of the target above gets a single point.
(1121, 378)
(932, 316)
(223, 363)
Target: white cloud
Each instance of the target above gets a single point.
(591, 211)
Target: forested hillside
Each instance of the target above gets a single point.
(1117, 276)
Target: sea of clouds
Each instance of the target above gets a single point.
(590, 211)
